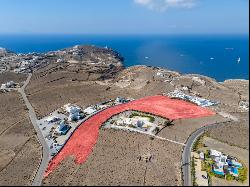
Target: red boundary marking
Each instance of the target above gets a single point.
(82, 141)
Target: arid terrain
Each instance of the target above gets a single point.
(240, 153)
(118, 156)
(115, 161)
(20, 151)
(18, 78)
(237, 132)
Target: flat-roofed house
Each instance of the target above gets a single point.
(215, 155)
(62, 128)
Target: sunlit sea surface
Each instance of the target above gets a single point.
(217, 56)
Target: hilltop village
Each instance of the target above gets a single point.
(81, 118)
(91, 58)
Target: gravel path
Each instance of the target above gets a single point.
(32, 115)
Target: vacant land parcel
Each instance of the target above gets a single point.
(19, 147)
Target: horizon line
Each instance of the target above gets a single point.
(124, 34)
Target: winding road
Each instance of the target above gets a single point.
(33, 118)
(186, 155)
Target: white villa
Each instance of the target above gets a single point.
(52, 119)
(136, 123)
(74, 112)
(224, 164)
(62, 128)
(71, 108)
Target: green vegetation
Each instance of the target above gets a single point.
(212, 174)
(207, 166)
(203, 166)
(229, 177)
(193, 172)
(209, 180)
(198, 143)
(151, 118)
(206, 154)
(242, 174)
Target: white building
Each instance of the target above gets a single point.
(72, 109)
(218, 168)
(140, 124)
(10, 84)
(89, 110)
(202, 156)
(121, 100)
(184, 88)
(100, 107)
(244, 105)
(52, 119)
(59, 60)
(197, 100)
(136, 123)
(223, 159)
(75, 116)
(159, 74)
(74, 112)
(62, 128)
(76, 46)
(214, 154)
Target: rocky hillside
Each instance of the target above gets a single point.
(90, 59)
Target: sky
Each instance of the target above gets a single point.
(124, 16)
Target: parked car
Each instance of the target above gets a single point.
(204, 177)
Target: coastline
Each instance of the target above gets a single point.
(4, 50)
(186, 54)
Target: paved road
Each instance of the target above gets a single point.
(45, 155)
(186, 155)
(33, 118)
(45, 158)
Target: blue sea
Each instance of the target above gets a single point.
(211, 55)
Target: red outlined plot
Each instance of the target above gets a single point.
(82, 141)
